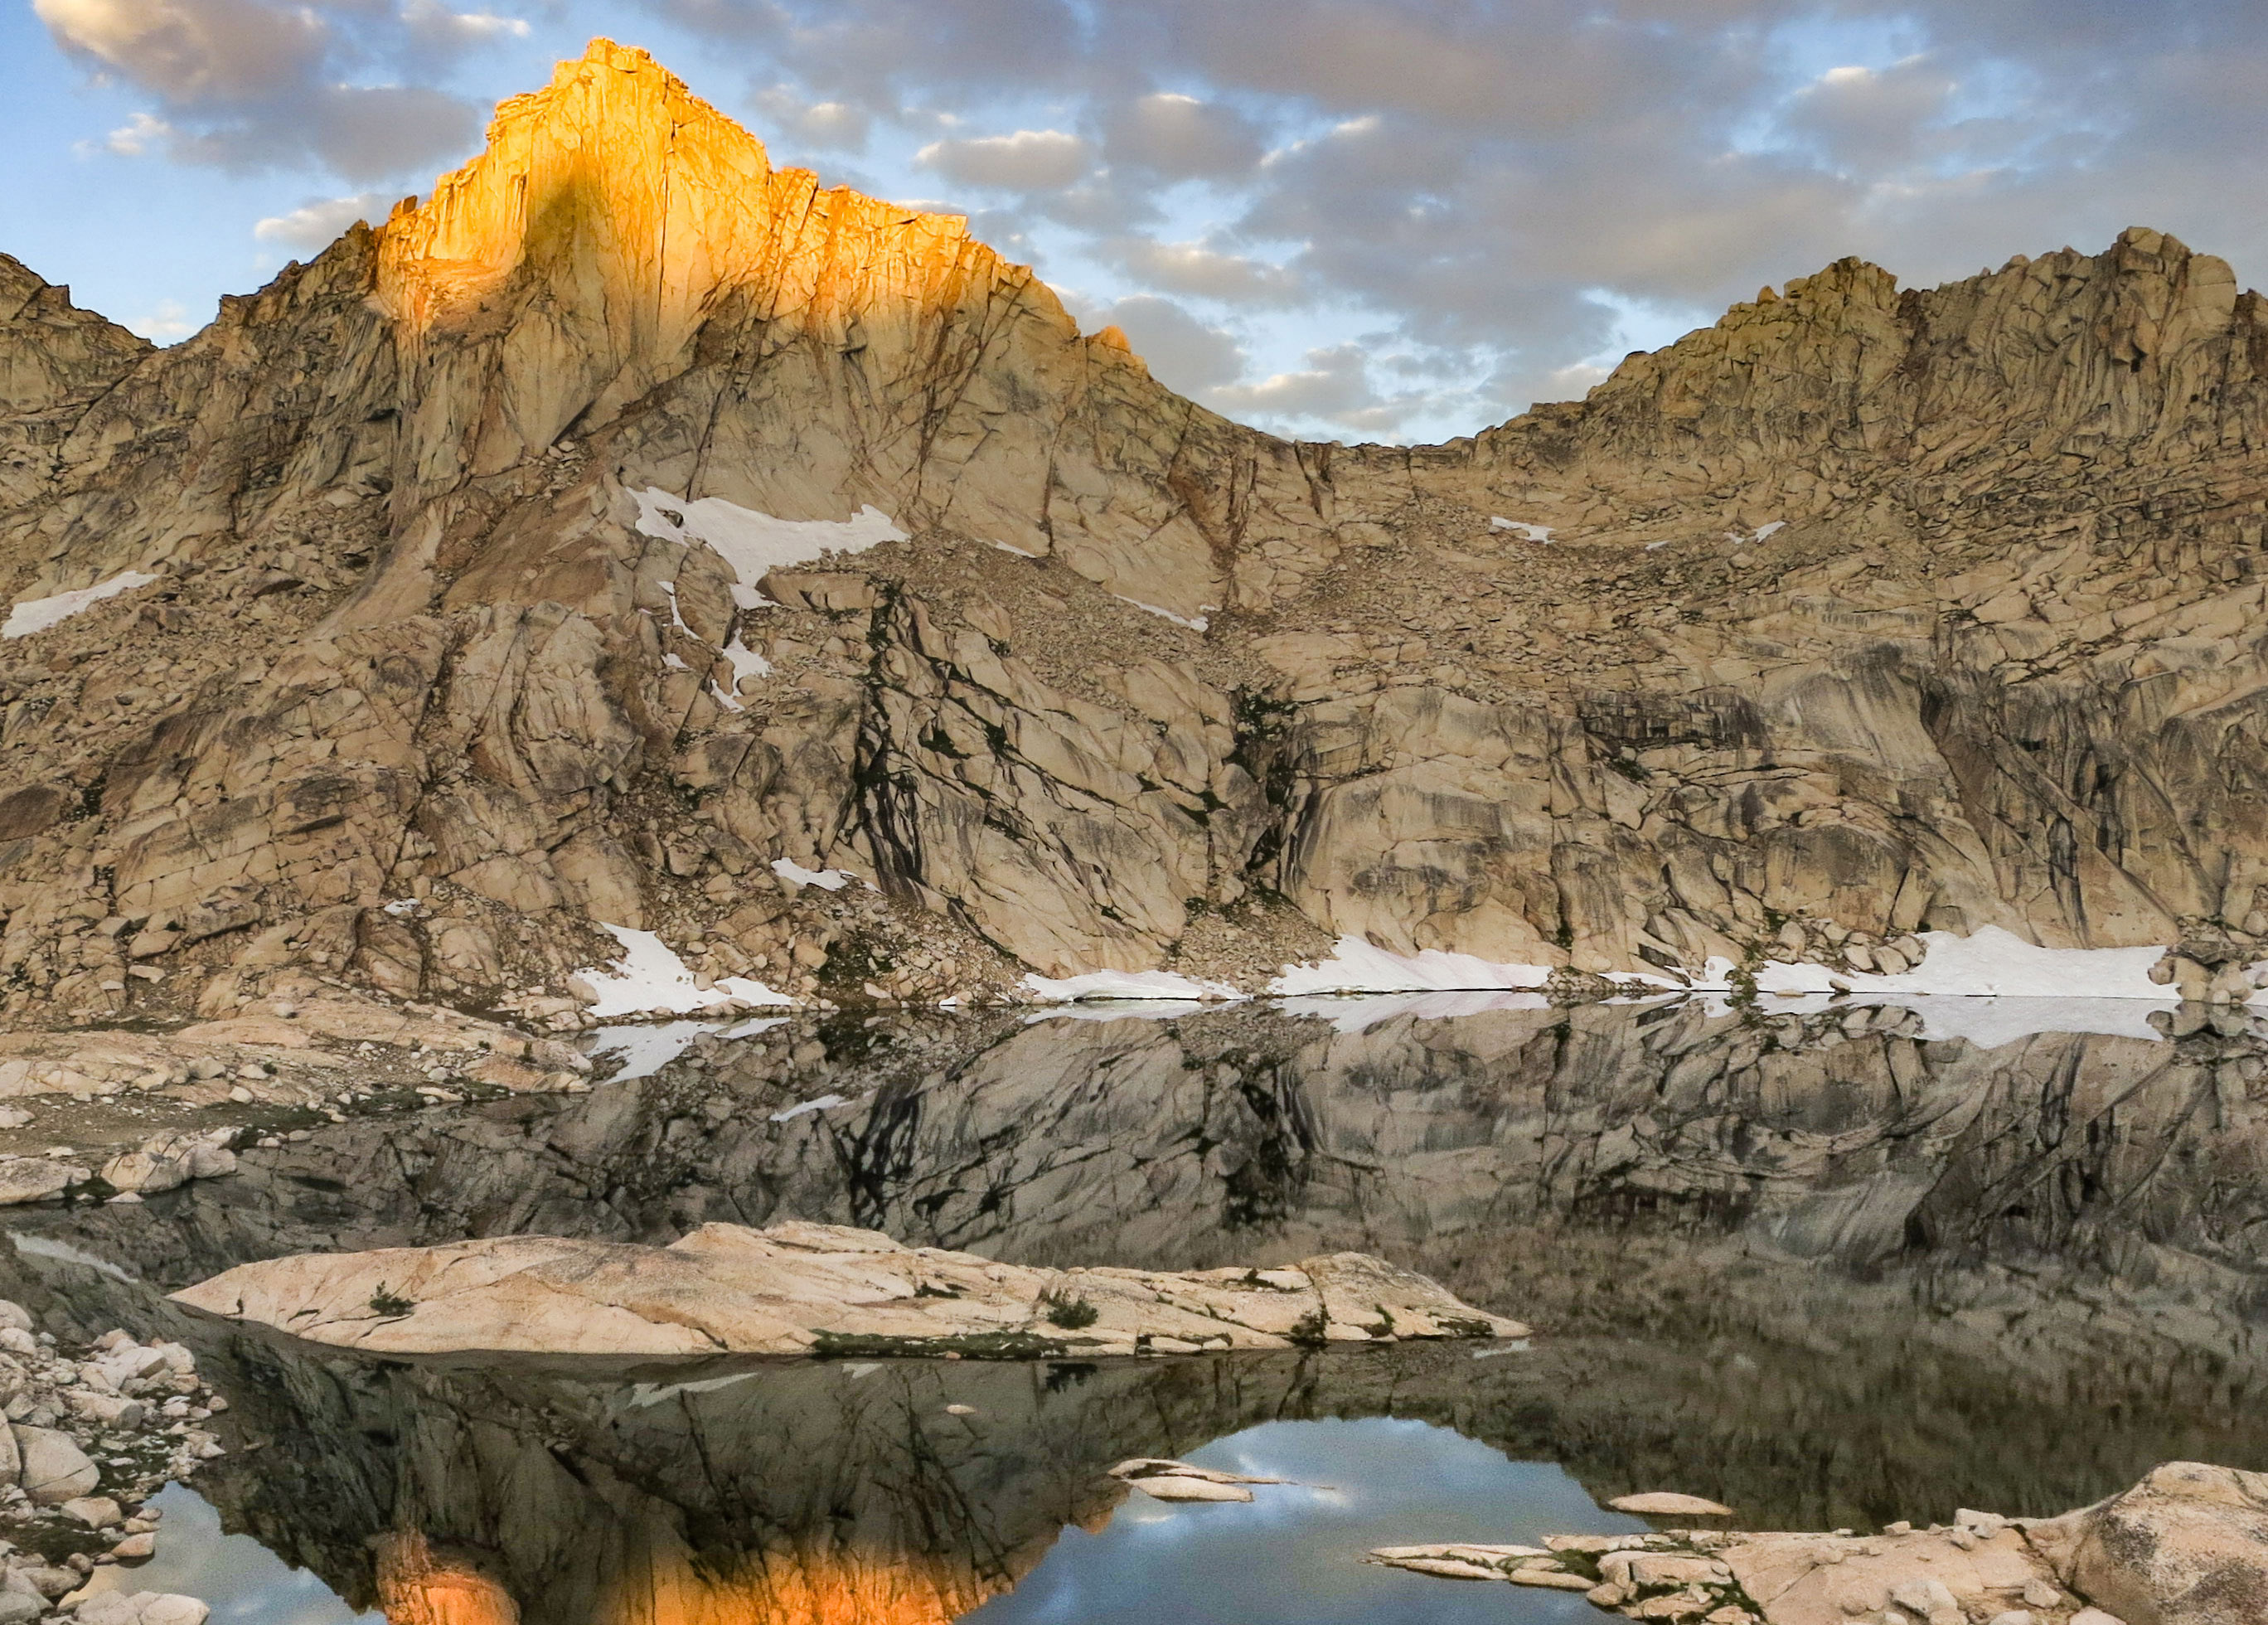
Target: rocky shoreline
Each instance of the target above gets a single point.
(2186, 1546)
(92, 1434)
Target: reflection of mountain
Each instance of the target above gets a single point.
(1813, 1267)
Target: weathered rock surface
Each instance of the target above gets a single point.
(815, 1288)
(2187, 1546)
(1811, 571)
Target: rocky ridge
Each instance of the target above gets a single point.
(1117, 685)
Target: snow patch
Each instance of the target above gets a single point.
(652, 977)
(1762, 532)
(1125, 985)
(36, 615)
(826, 880)
(753, 543)
(746, 662)
(1198, 625)
(1993, 963)
(674, 663)
(1532, 533)
(825, 1102)
(1010, 547)
(1358, 966)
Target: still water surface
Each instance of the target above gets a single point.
(1832, 1266)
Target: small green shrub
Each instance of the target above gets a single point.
(389, 1304)
(1071, 1313)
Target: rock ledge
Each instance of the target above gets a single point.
(822, 1289)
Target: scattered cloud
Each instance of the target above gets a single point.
(1030, 160)
(165, 324)
(1368, 217)
(314, 226)
(246, 85)
(1178, 137)
(825, 126)
(140, 134)
(1182, 351)
(1192, 268)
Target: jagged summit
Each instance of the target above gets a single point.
(407, 583)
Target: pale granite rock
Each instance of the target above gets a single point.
(793, 1288)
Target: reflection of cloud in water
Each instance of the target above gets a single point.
(245, 1582)
(1293, 1552)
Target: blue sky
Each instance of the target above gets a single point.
(1380, 219)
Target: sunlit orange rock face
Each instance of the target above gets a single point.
(624, 261)
(612, 215)
(418, 1586)
(815, 1581)
(829, 1587)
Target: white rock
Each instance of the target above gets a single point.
(55, 1468)
(1667, 1503)
(1177, 1487)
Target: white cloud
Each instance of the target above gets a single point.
(140, 133)
(1182, 352)
(1177, 136)
(1029, 160)
(1193, 269)
(431, 23)
(316, 225)
(168, 321)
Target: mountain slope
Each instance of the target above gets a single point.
(1863, 613)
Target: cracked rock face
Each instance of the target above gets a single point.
(1866, 613)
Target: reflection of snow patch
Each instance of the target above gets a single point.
(826, 880)
(643, 1051)
(1988, 1022)
(753, 543)
(1533, 533)
(35, 615)
(652, 977)
(1357, 966)
(1360, 1014)
(1198, 625)
(1117, 1010)
(1125, 985)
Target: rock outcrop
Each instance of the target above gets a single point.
(2187, 1546)
(799, 1289)
(447, 570)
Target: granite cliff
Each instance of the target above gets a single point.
(462, 589)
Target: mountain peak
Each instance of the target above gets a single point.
(615, 183)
